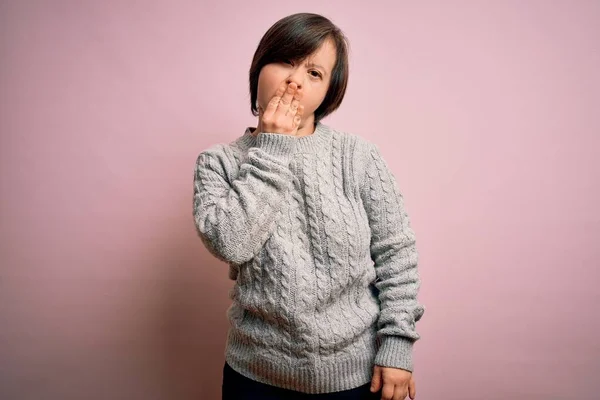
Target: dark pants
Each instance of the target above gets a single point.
(237, 387)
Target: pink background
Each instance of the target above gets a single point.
(487, 111)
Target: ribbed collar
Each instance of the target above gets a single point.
(310, 143)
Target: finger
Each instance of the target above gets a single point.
(376, 380)
(388, 391)
(399, 393)
(297, 121)
(274, 102)
(299, 93)
(412, 389)
(293, 107)
(286, 99)
(298, 117)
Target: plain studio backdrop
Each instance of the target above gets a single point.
(487, 112)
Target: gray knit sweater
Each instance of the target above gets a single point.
(320, 246)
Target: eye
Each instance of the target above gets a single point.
(318, 74)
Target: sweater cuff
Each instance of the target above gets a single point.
(276, 144)
(396, 352)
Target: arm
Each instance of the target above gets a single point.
(395, 256)
(234, 219)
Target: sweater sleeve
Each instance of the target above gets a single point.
(234, 218)
(395, 257)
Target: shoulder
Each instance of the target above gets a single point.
(219, 152)
(359, 138)
(358, 147)
(220, 158)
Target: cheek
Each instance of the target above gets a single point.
(268, 82)
(266, 90)
(261, 89)
(312, 101)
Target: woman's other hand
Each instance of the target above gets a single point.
(283, 113)
(397, 383)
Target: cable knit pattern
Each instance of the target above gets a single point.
(305, 290)
(345, 230)
(320, 247)
(320, 265)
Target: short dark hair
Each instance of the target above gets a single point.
(294, 38)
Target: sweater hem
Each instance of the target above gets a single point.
(312, 376)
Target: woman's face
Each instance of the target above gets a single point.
(312, 76)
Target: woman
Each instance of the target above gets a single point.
(314, 229)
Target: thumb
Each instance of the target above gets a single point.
(376, 380)
(412, 391)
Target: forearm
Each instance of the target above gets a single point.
(235, 218)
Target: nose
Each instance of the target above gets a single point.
(290, 80)
(296, 77)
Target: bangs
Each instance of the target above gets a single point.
(293, 41)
